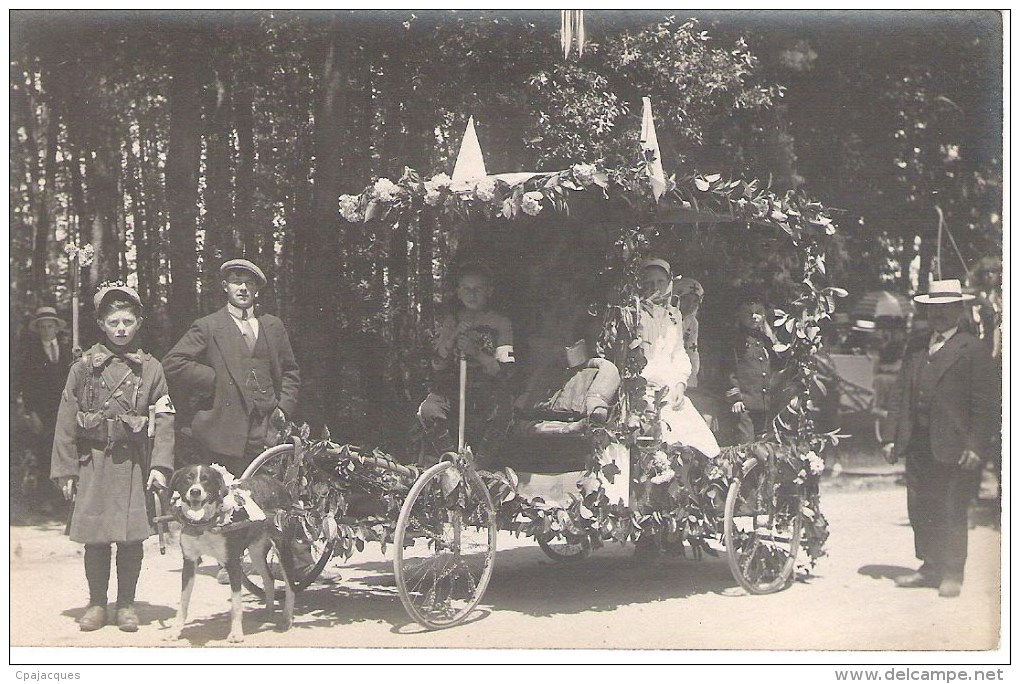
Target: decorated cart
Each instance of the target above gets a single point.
(575, 485)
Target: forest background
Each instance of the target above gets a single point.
(174, 140)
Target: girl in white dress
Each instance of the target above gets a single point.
(660, 328)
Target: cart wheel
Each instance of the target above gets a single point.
(564, 551)
(762, 531)
(273, 462)
(445, 546)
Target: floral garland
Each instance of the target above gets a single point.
(677, 491)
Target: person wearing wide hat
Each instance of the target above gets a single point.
(39, 374)
(943, 429)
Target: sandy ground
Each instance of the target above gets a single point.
(611, 600)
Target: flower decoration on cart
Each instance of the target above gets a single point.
(677, 490)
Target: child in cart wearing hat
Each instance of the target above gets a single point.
(114, 402)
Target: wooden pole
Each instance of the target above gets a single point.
(463, 401)
(75, 286)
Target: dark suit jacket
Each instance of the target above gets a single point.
(39, 380)
(962, 406)
(204, 369)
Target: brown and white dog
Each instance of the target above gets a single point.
(200, 502)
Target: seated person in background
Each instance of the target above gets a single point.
(886, 402)
(486, 339)
(689, 294)
(585, 388)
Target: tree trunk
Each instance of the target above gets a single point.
(220, 236)
(244, 125)
(183, 160)
(139, 219)
(44, 227)
(319, 240)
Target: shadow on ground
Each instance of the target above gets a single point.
(600, 583)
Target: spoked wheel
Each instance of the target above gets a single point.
(762, 531)
(314, 555)
(445, 546)
(563, 550)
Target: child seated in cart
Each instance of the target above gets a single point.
(486, 339)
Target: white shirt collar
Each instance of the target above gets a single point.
(947, 334)
(239, 313)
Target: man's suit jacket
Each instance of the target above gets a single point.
(39, 380)
(204, 369)
(962, 405)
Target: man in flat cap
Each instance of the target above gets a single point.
(238, 371)
(944, 427)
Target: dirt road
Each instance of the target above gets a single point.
(611, 600)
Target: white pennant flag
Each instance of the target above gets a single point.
(650, 143)
(469, 160)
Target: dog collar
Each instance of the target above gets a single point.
(192, 527)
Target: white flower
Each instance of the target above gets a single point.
(432, 197)
(86, 254)
(531, 203)
(660, 459)
(485, 190)
(714, 473)
(438, 182)
(815, 463)
(664, 476)
(70, 249)
(385, 190)
(584, 173)
(350, 208)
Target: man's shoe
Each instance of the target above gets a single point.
(950, 587)
(127, 619)
(93, 619)
(223, 577)
(917, 580)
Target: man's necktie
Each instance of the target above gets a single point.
(51, 351)
(247, 331)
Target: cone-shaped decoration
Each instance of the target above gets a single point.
(469, 160)
(650, 143)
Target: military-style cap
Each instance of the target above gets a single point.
(244, 265)
(106, 290)
(682, 286)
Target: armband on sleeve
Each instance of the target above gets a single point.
(505, 353)
(164, 405)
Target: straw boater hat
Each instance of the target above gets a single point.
(244, 265)
(944, 292)
(44, 313)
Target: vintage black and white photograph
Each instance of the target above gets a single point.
(672, 330)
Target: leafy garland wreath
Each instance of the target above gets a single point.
(678, 492)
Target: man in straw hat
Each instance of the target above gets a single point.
(39, 379)
(943, 430)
